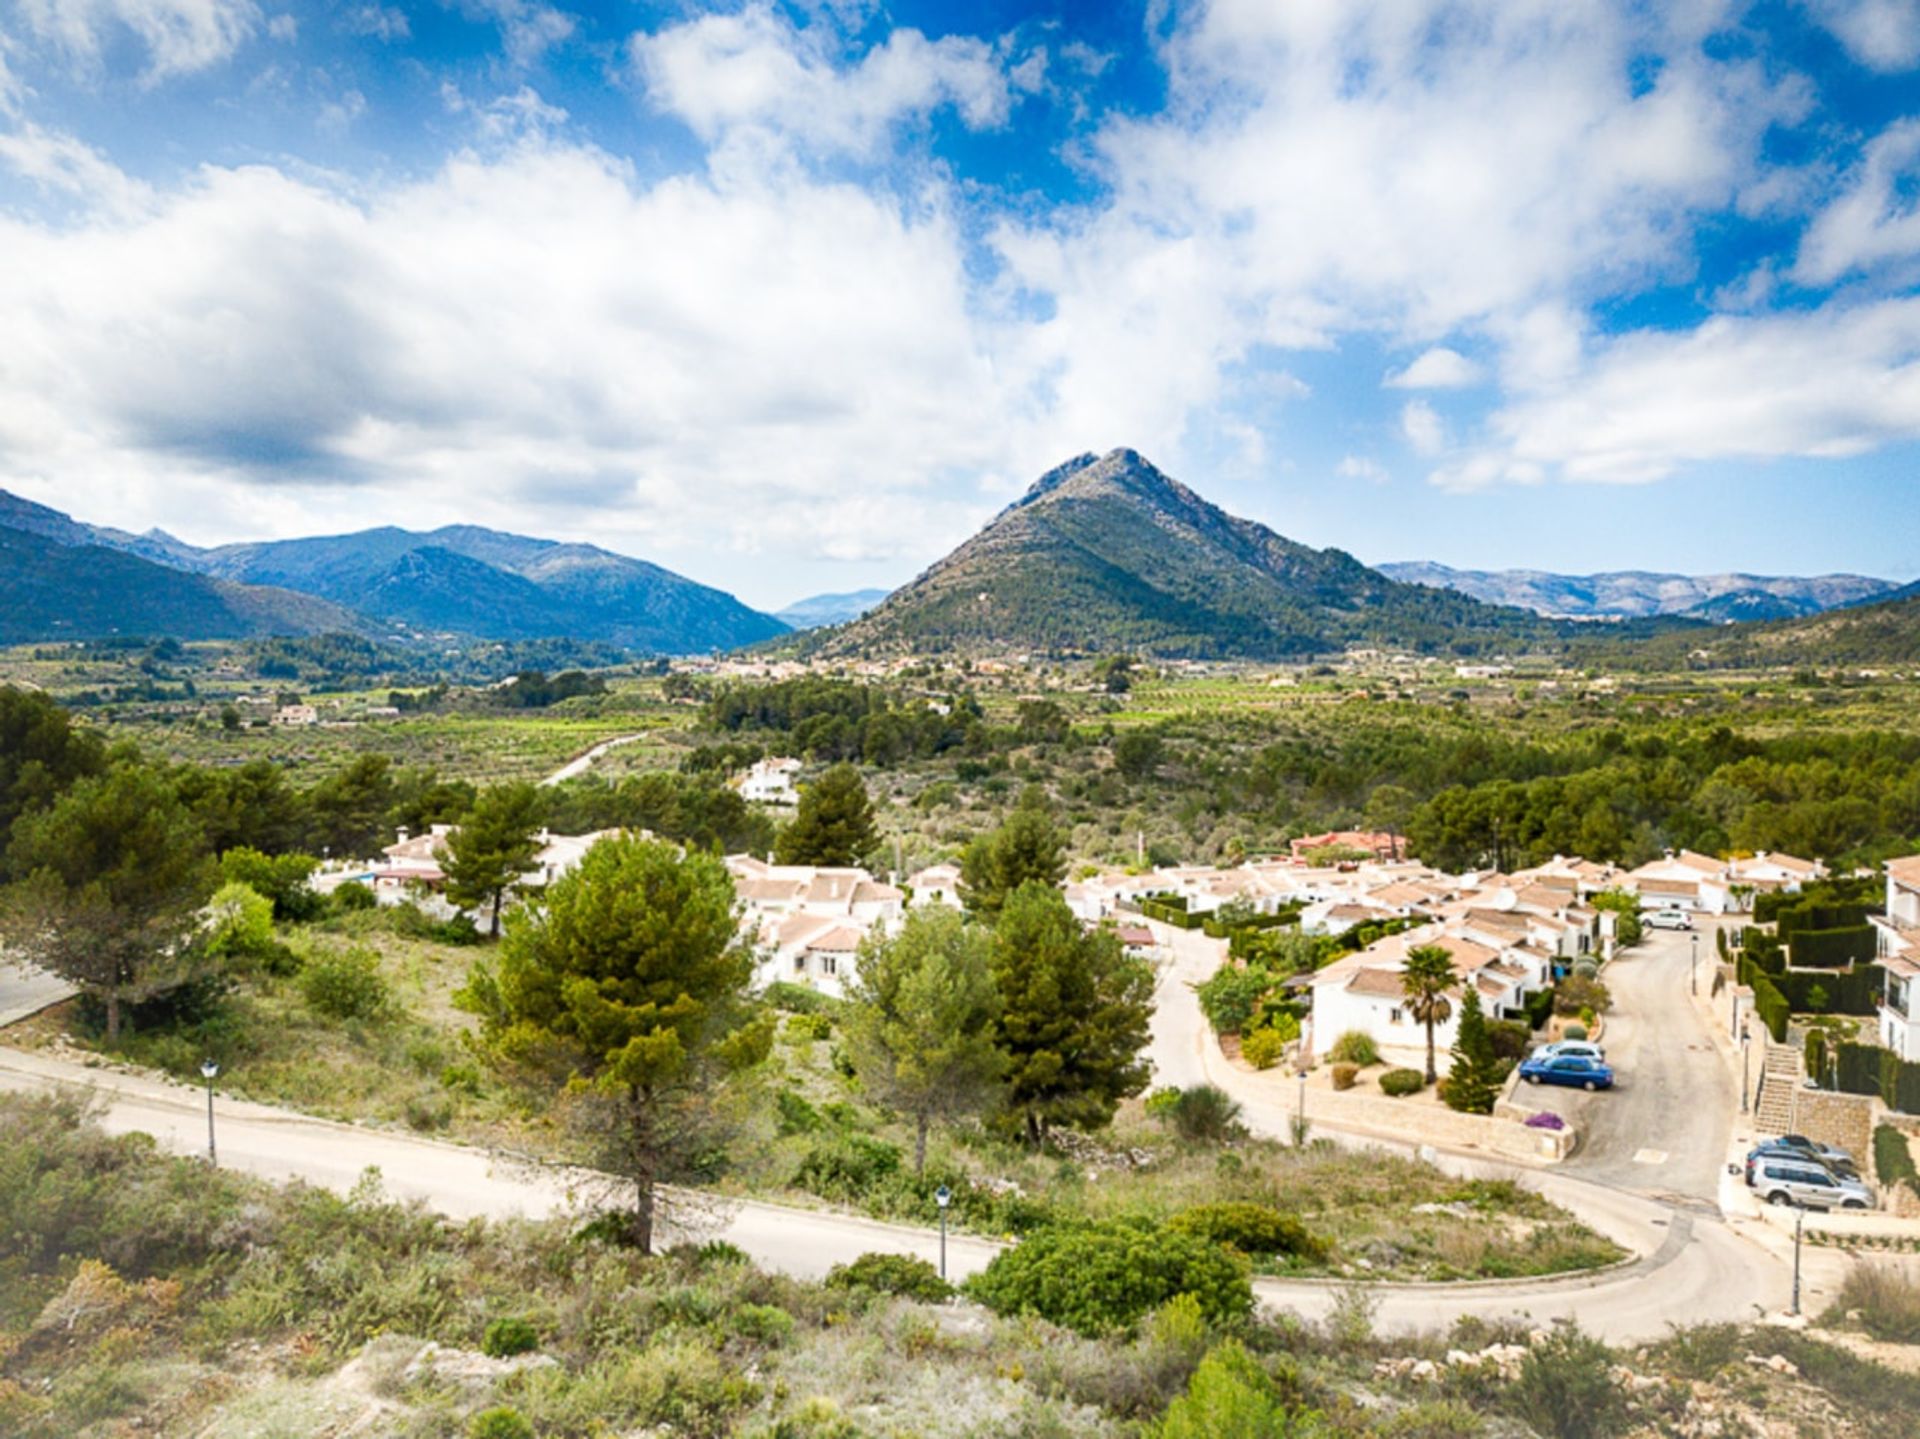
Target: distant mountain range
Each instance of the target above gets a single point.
(73, 579)
(1637, 594)
(817, 610)
(1107, 553)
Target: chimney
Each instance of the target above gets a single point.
(403, 834)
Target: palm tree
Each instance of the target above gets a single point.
(1425, 979)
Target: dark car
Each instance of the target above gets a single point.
(1774, 1149)
(1573, 1070)
(1831, 1155)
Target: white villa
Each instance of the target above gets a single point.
(769, 781)
(1686, 879)
(1900, 956)
(413, 861)
(807, 921)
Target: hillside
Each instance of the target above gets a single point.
(483, 582)
(817, 610)
(1886, 633)
(459, 579)
(1640, 594)
(1108, 554)
(50, 589)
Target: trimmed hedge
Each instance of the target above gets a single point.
(1768, 1002)
(1402, 1082)
(1868, 1069)
(1893, 1158)
(1848, 991)
(1832, 948)
(1539, 1008)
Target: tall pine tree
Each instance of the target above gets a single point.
(834, 823)
(493, 847)
(1025, 848)
(1474, 1081)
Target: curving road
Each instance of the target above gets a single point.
(581, 763)
(1692, 1266)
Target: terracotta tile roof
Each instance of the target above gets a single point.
(1906, 870)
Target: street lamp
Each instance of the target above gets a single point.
(1799, 1219)
(1746, 1059)
(1733, 1023)
(1693, 967)
(943, 1196)
(208, 1069)
(1300, 1111)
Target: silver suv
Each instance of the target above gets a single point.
(1787, 1181)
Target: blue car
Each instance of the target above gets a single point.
(1573, 1070)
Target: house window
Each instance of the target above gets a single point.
(1394, 1015)
(827, 964)
(799, 964)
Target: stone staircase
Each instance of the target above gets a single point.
(1780, 1076)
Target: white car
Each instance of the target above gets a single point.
(1667, 919)
(1579, 1048)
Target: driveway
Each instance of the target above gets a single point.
(1663, 1131)
(25, 991)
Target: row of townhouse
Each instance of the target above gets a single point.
(1699, 883)
(1899, 945)
(806, 922)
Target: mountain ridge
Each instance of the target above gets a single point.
(1642, 594)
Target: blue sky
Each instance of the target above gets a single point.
(792, 297)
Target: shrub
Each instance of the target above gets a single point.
(1256, 1229)
(1573, 995)
(806, 1028)
(1574, 1031)
(1886, 1299)
(1204, 1113)
(345, 984)
(847, 1167)
(1097, 1278)
(499, 1423)
(1345, 1075)
(1893, 1157)
(797, 998)
(900, 1274)
(1539, 1008)
(797, 1115)
(354, 898)
(1355, 1047)
(1402, 1082)
(1565, 1388)
(1263, 1048)
(505, 1338)
(1230, 1397)
(762, 1324)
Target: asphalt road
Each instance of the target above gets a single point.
(1663, 1130)
(26, 991)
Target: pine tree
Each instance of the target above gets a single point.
(1025, 848)
(834, 823)
(1074, 1014)
(493, 847)
(1474, 1081)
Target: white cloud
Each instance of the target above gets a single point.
(1880, 34)
(179, 36)
(753, 70)
(67, 166)
(1437, 369)
(1359, 467)
(284, 28)
(1829, 383)
(378, 22)
(528, 29)
(1423, 427)
(1875, 217)
(733, 359)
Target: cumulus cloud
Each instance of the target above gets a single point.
(753, 69)
(1881, 34)
(1876, 216)
(1423, 428)
(1359, 467)
(179, 36)
(377, 22)
(508, 332)
(1829, 383)
(1437, 369)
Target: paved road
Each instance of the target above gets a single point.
(1664, 1131)
(26, 991)
(580, 764)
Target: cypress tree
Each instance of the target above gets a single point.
(1474, 1080)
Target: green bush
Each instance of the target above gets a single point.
(797, 1114)
(1355, 1047)
(1886, 1300)
(807, 1028)
(353, 899)
(1263, 1048)
(499, 1423)
(1231, 1397)
(1256, 1229)
(900, 1274)
(762, 1324)
(1097, 1278)
(1574, 1031)
(505, 1338)
(1205, 1113)
(345, 984)
(1832, 948)
(1402, 1082)
(1539, 1009)
(1345, 1076)
(1893, 1157)
(1571, 996)
(1566, 1389)
(798, 998)
(847, 1167)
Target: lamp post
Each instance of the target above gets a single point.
(1799, 1219)
(1733, 1022)
(1693, 967)
(208, 1069)
(943, 1196)
(1746, 1059)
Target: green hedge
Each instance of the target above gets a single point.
(1539, 1008)
(1768, 1002)
(1868, 1069)
(1848, 991)
(1167, 914)
(1832, 948)
(1857, 1067)
(1892, 1158)
(1764, 950)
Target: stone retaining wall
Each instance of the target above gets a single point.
(1843, 1120)
(1417, 1122)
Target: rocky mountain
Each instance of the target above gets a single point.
(52, 588)
(1107, 553)
(1885, 632)
(1638, 594)
(817, 610)
(460, 579)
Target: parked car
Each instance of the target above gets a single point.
(1582, 1048)
(1574, 1070)
(1773, 1149)
(1832, 1154)
(1667, 919)
(1787, 1181)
